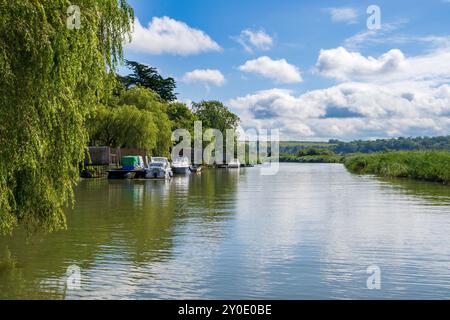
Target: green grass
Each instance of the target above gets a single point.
(311, 159)
(307, 152)
(420, 165)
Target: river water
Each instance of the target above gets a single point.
(308, 232)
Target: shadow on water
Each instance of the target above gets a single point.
(434, 193)
(115, 225)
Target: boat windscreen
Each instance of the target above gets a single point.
(157, 164)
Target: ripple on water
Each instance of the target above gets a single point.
(310, 232)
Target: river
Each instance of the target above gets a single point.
(308, 232)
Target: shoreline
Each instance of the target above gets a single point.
(430, 166)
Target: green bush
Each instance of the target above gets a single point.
(420, 165)
(311, 159)
(314, 152)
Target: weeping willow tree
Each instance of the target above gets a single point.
(55, 63)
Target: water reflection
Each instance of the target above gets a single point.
(436, 193)
(117, 226)
(308, 232)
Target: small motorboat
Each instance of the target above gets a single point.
(132, 166)
(158, 168)
(234, 164)
(181, 165)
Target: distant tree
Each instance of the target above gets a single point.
(147, 100)
(136, 119)
(398, 144)
(148, 77)
(314, 152)
(214, 114)
(181, 116)
(123, 127)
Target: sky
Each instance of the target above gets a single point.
(315, 70)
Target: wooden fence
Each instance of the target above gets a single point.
(106, 156)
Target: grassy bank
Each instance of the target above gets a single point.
(420, 165)
(312, 159)
(311, 154)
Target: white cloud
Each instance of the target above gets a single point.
(380, 36)
(344, 65)
(385, 36)
(392, 66)
(278, 70)
(345, 14)
(275, 102)
(349, 111)
(166, 35)
(389, 95)
(250, 40)
(208, 77)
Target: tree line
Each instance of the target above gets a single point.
(397, 144)
(143, 112)
(303, 149)
(59, 92)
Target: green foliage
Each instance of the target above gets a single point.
(295, 148)
(304, 144)
(50, 77)
(311, 159)
(399, 144)
(420, 165)
(139, 118)
(314, 152)
(308, 152)
(214, 114)
(149, 78)
(334, 150)
(136, 119)
(149, 101)
(123, 126)
(181, 116)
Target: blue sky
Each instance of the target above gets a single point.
(310, 68)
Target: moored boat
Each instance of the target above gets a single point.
(181, 165)
(131, 166)
(158, 168)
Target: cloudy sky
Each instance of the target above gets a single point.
(312, 69)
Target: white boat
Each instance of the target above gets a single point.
(181, 165)
(158, 168)
(234, 164)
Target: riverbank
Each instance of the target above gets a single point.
(312, 159)
(433, 166)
